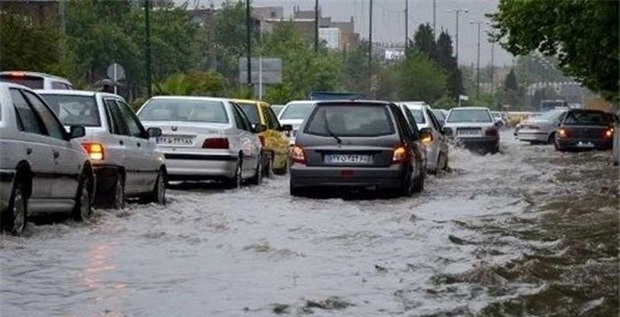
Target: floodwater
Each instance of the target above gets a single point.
(528, 232)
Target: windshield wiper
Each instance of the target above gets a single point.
(329, 131)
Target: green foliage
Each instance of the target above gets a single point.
(511, 81)
(421, 79)
(445, 102)
(582, 34)
(192, 83)
(26, 44)
(424, 40)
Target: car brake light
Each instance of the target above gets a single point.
(609, 133)
(490, 132)
(17, 74)
(563, 133)
(400, 155)
(215, 143)
(297, 155)
(94, 150)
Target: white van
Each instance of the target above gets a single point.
(35, 80)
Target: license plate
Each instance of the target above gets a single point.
(469, 132)
(586, 144)
(348, 158)
(176, 140)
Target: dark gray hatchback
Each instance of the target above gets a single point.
(357, 144)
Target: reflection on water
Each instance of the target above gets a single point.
(93, 276)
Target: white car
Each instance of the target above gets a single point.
(124, 155)
(35, 80)
(294, 113)
(436, 144)
(474, 127)
(41, 169)
(205, 138)
(541, 129)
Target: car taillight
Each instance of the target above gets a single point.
(215, 143)
(490, 132)
(400, 155)
(609, 133)
(94, 150)
(297, 155)
(563, 133)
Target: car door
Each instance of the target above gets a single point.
(147, 163)
(67, 166)
(247, 139)
(123, 151)
(36, 150)
(437, 135)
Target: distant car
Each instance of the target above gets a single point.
(275, 142)
(440, 115)
(41, 169)
(474, 127)
(499, 119)
(277, 109)
(35, 80)
(540, 129)
(616, 147)
(294, 114)
(124, 155)
(585, 129)
(357, 144)
(436, 144)
(205, 138)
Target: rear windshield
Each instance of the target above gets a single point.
(251, 111)
(32, 82)
(350, 120)
(74, 110)
(296, 111)
(589, 118)
(184, 110)
(438, 114)
(469, 115)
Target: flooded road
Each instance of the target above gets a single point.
(530, 232)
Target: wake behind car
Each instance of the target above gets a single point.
(585, 129)
(205, 138)
(124, 154)
(474, 127)
(436, 146)
(41, 169)
(357, 144)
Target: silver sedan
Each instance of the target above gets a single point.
(205, 138)
(541, 129)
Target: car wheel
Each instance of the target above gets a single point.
(557, 145)
(257, 179)
(444, 165)
(18, 209)
(418, 183)
(294, 190)
(268, 169)
(117, 197)
(236, 180)
(83, 208)
(158, 195)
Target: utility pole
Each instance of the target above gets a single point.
(493, 73)
(478, 59)
(406, 25)
(316, 26)
(456, 35)
(435, 17)
(147, 26)
(370, 38)
(248, 40)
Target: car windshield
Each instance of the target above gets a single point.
(589, 118)
(184, 110)
(74, 109)
(549, 115)
(469, 115)
(296, 111)
(251, 111)
(32, 82)
(418, 115)
(350, 120)
(277, 109)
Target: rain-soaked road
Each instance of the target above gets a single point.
(527, 232)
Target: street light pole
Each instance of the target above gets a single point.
(456, 35)
(316, 26)
(147, 27)
(478, 59)
(406, 25)
(248, 40)
(370, 37)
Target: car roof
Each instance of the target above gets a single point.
(302, 102)
(192, 98)
(13, 85)
(30, 73)
(470, 108)
(75, 92)
(352, 102)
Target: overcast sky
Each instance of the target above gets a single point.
(389, 20)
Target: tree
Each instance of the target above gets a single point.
(582, 34)
(424, 40)
(447, 61)
(421, 79)
(511, 81)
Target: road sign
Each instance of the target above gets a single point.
(116, 72)
(268, 71)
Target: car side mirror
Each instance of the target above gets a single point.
(259, 128)
(153, 132)
(287, 127)
(426, 135)
(77, 131)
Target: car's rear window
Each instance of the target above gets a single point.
(469, 115)
(32, 82)
(184, 110)
(296, 111)
(251, 111)
(589, 118)
(438, 114)
(350, 120)
(74, 110)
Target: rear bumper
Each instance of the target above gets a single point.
(6, 187)
(356, 177)
(585, 143)
(481, 143)
(539, 136)
(200, 167)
